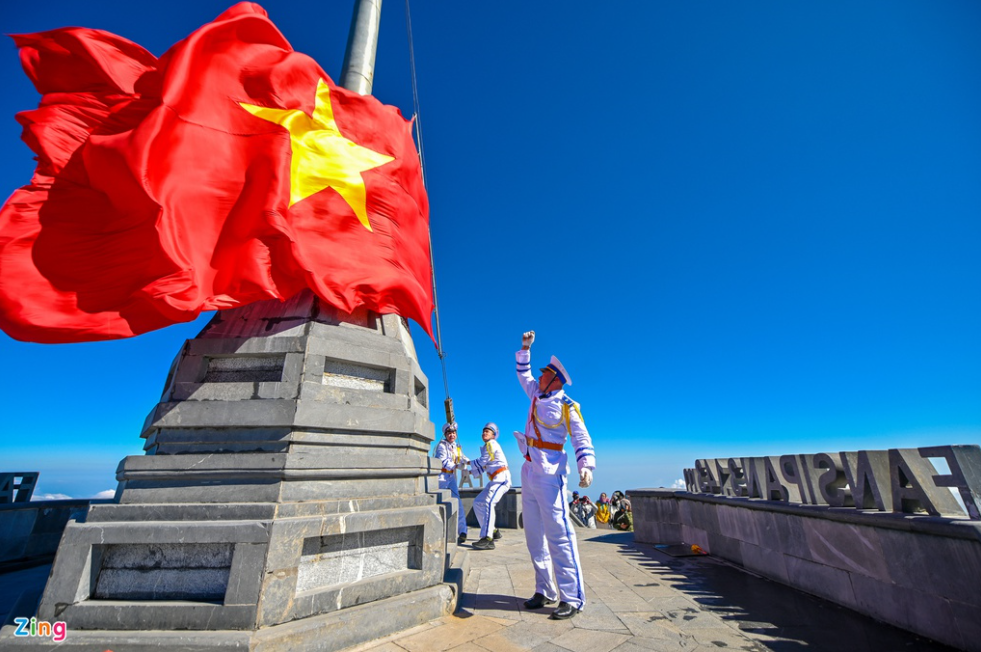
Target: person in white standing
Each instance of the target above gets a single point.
(549, 533)
(451, 456)
(495, 465)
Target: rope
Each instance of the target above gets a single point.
(422, 161)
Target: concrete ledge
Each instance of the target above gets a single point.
(507, 514)
(955, 527)
(457, 571)
(327, 633)
(342, 629)
(31, 531)
(919, 573)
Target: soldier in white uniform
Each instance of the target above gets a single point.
(495, 465)
(451, 456)
(549, 533)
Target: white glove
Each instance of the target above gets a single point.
(522, 442)
(585, 478)
(527, 339)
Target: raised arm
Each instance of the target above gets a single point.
(523, 359)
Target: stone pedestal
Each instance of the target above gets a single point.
(286, 500)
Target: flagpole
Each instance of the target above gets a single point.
(357, 75)
(358, 70)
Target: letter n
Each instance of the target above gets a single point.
(863, 470)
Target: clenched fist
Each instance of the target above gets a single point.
(527, 339)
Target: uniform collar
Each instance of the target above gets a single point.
(554, 394)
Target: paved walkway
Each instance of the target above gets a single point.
(641, 600)
(14, 583)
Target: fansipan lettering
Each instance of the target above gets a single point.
(900, 480)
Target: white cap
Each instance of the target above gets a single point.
(449, 426)
(555, 366)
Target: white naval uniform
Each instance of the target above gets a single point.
(495, 465)
(451, 456)
(549, 533)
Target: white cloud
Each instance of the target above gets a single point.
(678, 484)
(108, 493)
(50, 497)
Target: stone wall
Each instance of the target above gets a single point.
(920, 573)
(508, 513)
(30, 532)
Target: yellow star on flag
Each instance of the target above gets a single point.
(322, 156)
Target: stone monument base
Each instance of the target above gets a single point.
(287, 499)
(325, 633)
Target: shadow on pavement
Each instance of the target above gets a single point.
(790, 620)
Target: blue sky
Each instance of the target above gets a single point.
(745, 228)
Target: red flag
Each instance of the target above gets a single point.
(230, 170)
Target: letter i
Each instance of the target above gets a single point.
(34, 626)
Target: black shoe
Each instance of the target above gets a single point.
(461, 539)
(484, 544)
(497, 535)
(537, 601)
(564, 611)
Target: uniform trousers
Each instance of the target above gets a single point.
(486, 501)
(550, 537)
(448, 481)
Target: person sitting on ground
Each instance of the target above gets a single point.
(623, 520)
(616, 502)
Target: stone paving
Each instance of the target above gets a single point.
(641, 600)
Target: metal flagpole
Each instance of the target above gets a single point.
(357, 74)
(358, 70)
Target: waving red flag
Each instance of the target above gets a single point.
(230, 170)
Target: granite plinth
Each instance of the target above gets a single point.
(286, 487)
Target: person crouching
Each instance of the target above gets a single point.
(495, 465)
